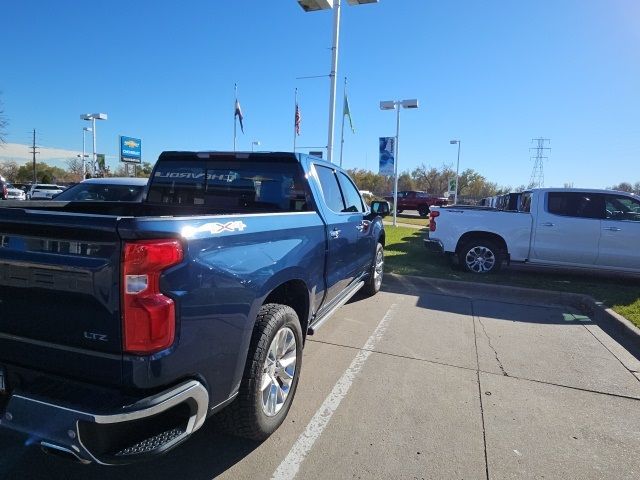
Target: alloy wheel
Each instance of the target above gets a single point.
(480, 259)
(278, 371)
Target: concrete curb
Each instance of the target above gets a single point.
(630, 327)
(581, 302)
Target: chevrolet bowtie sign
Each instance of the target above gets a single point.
(130, 150)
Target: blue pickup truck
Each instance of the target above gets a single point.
(124, 326)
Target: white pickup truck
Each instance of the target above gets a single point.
(593, 229)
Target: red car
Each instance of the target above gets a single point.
(415, 200)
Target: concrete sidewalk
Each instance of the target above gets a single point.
(424, 382)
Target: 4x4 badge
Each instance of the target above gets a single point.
(214, 228)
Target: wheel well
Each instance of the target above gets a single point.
(381, 239)
(294, 294)
(474, 236)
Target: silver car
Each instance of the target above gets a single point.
(111, 189)
(14, 193)
(43, 191)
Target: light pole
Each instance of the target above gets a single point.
(255, 143)
(455, 195)
(390, 105)
(93, 117)
(311, 6)
(84, 154)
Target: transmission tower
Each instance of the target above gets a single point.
(537, 175)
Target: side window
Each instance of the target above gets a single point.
(330, 188)
(351, 195)
(619, 207)
(525, 202)
(575, 204)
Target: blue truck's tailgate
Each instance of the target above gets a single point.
(59, 293)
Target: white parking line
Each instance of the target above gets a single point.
(288, 469)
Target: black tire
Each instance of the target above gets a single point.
(480, 256)
(399, 210)
(423, 211)
(245, 417)
(374, 282)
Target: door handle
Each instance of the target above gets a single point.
(612, 229)
(547, 224)
(363, 226)
(335, 233)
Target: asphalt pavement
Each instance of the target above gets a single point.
(420, 383)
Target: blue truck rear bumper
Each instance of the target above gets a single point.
(122, 432)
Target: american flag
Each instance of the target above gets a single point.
(298, 119)
(238, 113)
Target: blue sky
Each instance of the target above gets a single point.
(494, 73)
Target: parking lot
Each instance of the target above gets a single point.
(420, 382)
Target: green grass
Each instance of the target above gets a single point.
(405, 255)
(412, 219)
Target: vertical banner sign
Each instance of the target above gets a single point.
(130, 169)
(130, 150)
(100, 160)
(452, 186)
(387, 152)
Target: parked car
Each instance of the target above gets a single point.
(415, 200)
(594, 229)
(22, 186)
(14, 193)
(123, 326)
(43, 191)
(125, 189)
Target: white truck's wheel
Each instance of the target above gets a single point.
(480, 256)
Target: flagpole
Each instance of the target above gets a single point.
(235, 89)
(295, 112)
(343, 115)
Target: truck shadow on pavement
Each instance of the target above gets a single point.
(522, 306)
(204, 456)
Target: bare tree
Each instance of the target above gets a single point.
(623, 187)
(9, 170)
(432, 180)
(74, 167)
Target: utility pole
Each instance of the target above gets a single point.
(34, 152)
(537, 175)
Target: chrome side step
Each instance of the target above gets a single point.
(320, 321)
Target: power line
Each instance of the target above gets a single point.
(537, 175)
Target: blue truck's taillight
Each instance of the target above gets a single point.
(148, 316)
